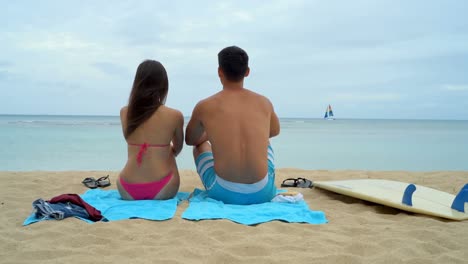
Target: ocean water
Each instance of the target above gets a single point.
(96, 143)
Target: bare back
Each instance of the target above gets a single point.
(164, 133)
(238, 126)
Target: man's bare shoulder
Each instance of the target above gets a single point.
(261, 98)
(205, 103)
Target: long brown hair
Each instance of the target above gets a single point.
(148, 93)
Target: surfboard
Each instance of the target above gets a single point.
(404, 196)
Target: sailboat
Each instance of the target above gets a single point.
(329, 113)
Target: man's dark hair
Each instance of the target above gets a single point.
(234, 63)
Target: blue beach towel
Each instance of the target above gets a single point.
(201, 207)
(113, 208)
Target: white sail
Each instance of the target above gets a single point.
(329, 113)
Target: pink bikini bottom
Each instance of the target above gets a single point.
(147, 190)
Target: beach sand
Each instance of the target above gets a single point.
(357, 232)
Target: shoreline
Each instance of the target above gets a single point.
(357, 232)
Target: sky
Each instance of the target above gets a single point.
(394, 59)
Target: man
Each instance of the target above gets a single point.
(230, 132)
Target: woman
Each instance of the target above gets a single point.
(154, 134)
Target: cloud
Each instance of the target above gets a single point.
(60, 41)
(4, 69)
(455, 87)
(112, 69)
(5, 64)
(389, 52)
(243, 16)
(3, 75)
(367, 97)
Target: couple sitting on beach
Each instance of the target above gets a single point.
(230, 132)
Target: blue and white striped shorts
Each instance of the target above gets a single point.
(232, 192)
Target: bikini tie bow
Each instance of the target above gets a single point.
(142, 151)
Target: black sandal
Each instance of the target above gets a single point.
(103, 181)
(90, 183)
(297, 182)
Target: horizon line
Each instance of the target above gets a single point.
(315, 118)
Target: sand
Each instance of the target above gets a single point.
(357, 232)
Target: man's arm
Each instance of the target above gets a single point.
(274, 123)
(195, 132)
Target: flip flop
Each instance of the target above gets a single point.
(304, 183)
(103, 181)
(290, 182)
(297, 182)
(90, 183)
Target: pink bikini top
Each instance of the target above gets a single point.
(144, 147)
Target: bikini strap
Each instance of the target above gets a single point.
(143, 148)
(150, 145)
(158, 145)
